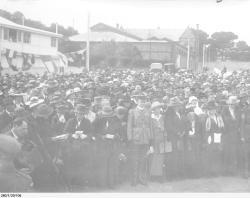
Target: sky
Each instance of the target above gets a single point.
(229, 15)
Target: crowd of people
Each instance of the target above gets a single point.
(107, 127)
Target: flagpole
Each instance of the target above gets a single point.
(87, 46)
(1, 29)
(56, 38)
(203, 55)
(188, 54)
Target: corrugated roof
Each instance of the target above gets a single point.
(7, 23)
(171, 34)
(102, 36)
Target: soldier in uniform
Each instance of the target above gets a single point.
(11, 180)
(140, 137)
(245, 138)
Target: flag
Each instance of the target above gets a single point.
(54, 66)
(63, 58)
(10, 54)
(27, 63)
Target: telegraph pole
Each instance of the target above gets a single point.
(197, 48)
(87, 46)
(203, 55)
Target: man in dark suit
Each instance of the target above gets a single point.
(59, 119)
(231, 136)
(175, 129)
(194, 137)
(245, 138)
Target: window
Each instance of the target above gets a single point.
(6, 34)
(26, 37)
(19, 36)
(53, 42)
(13, 35)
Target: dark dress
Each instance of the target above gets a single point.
(107, 150)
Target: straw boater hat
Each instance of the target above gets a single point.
(233, 100)
(156, 104)
(121, 110)
(34, 101)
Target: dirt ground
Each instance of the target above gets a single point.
(204, 185)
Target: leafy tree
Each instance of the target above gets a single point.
(242, 46)
(18, 17)
(222, 43)
(223, 40)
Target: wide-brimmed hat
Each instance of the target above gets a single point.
(69, 92)
(233, 100)
(107, 111)
(80, 108)
(34, 101)
(121, 110)
(9, 145)
(156, 104)
(84, 101)
(175, 101)
(43, 111)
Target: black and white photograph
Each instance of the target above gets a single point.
(124, 96)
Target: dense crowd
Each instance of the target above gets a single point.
(103, 128)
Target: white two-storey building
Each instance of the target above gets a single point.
(28, 49)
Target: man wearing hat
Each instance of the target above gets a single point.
(231, 135)
(245, 137)
(175, 128)
(106, 127)
(11, 180)
(60, 118)
(140, 137)
(122, 115)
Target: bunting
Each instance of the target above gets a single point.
(10, 55)
(30, 59)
